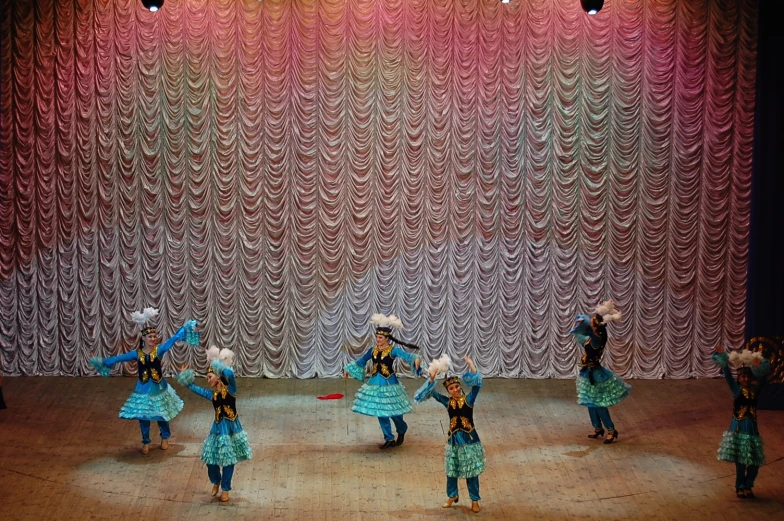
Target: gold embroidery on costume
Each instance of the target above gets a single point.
(382, 361)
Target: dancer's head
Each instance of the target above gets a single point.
(150, 338)
(453, 386)
(149, 335)
(213, 378)
(382, 335)
(599, 328)
(384, 325)
(745, 377)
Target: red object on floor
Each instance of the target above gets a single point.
(330, 397)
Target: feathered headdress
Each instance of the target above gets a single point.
(743, 360)
(223, 356)
(143, 318)
(608, 312)
(384, 323)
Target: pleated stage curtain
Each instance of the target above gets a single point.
(281, 170)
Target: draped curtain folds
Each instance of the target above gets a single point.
(281, 170)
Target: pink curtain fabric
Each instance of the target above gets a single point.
(281, 170)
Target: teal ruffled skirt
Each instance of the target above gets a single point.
(606, 391)
(382, 401)
(226, 449)
(742, 444)
(464, 461)
(163, 406)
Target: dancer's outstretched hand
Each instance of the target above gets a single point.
(470, 363)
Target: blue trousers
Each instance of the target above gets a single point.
(599, 416)
(145, 426)
(214, 472)
(386, 427)
(472, 483)
(745, 476)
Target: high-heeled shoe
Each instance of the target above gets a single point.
(164, 444)
(740, 493)
(475, 506)
(597, 433)
(450, 501)
(224, 497)
(215, 489)
(145, 448)
(611, 437)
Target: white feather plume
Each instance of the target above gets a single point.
(381, 320)
(394, 321)
(144, 316)
(378, 319)
(608, 312)
(744, 357)
(226, 356)
(439, 365)
(213, 353)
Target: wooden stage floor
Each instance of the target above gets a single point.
(64, 455)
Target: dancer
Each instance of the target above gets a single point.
(383, 396)
(464, 456)
(227, 444)
(152, 399)
(742, 444)
(597, 387)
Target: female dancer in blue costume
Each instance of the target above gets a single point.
(742, 444)
(597, 387)
(152, 399)
(227, 444)
(464, 456)
(383, 396)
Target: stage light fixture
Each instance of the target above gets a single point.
(592, 6)
(152, 5)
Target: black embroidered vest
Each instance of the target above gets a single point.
(149, 366)
(592, 357)
(461, 416)
(382, 362)
(745, 405)
(225, 405)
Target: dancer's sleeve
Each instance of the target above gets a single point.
(723, 360)
(228, 373)
(188, 332)
(425, 391)
(473, 380)
(186, 378)
(104, 365)
(356, 369)
(405, 355)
